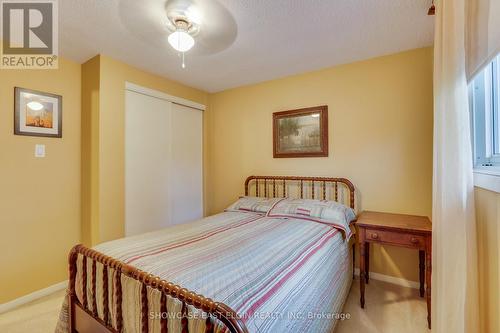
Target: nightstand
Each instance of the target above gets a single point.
(414, 232)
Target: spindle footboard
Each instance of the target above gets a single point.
(84, 319)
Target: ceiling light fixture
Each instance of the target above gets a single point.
(36, 106)
(180, 39)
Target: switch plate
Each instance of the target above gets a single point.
(39, 150)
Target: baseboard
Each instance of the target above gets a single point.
(391, 279)
(32, 297)
(61, 285)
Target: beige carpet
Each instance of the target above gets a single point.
(39, 316)
(388, 309)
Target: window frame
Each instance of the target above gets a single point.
(484, 106)
(484, 93)
(495, 78)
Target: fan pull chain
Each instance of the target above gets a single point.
(183, 62)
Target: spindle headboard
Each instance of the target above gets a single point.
(338, 189)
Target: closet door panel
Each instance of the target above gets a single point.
(186, 171)
(147, 163)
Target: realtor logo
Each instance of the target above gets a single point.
(29, 34)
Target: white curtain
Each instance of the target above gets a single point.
(454, 275)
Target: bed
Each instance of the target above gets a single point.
(253, 268)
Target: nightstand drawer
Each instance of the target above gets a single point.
(391, 237)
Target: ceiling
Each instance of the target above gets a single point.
(262, 39)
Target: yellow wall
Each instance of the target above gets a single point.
(109, 150)
(380, 137)
(39, 197)
(488, 232)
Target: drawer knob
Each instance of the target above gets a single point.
(374, 236)
(414, 240)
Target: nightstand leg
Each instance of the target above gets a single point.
(353, 260)
(367, 262)
(428, 280)
(362, 273)
(421, 266)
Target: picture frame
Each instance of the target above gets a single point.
(37, 113)
(301, 132)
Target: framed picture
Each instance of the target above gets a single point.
(301, 133)
(37, 113)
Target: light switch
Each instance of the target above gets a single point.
(39, 150)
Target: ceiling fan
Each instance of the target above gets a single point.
(200, 27)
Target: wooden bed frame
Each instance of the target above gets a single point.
(84, 320)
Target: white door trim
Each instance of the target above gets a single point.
(158, 94)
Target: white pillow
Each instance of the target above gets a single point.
(253, 204)
(322, 211)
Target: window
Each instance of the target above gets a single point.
(484, 96)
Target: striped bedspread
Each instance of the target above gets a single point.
(280, 275)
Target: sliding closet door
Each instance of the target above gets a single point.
(163, 163)
(187, 164)
(147, 163)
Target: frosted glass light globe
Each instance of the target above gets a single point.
(181, 40)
